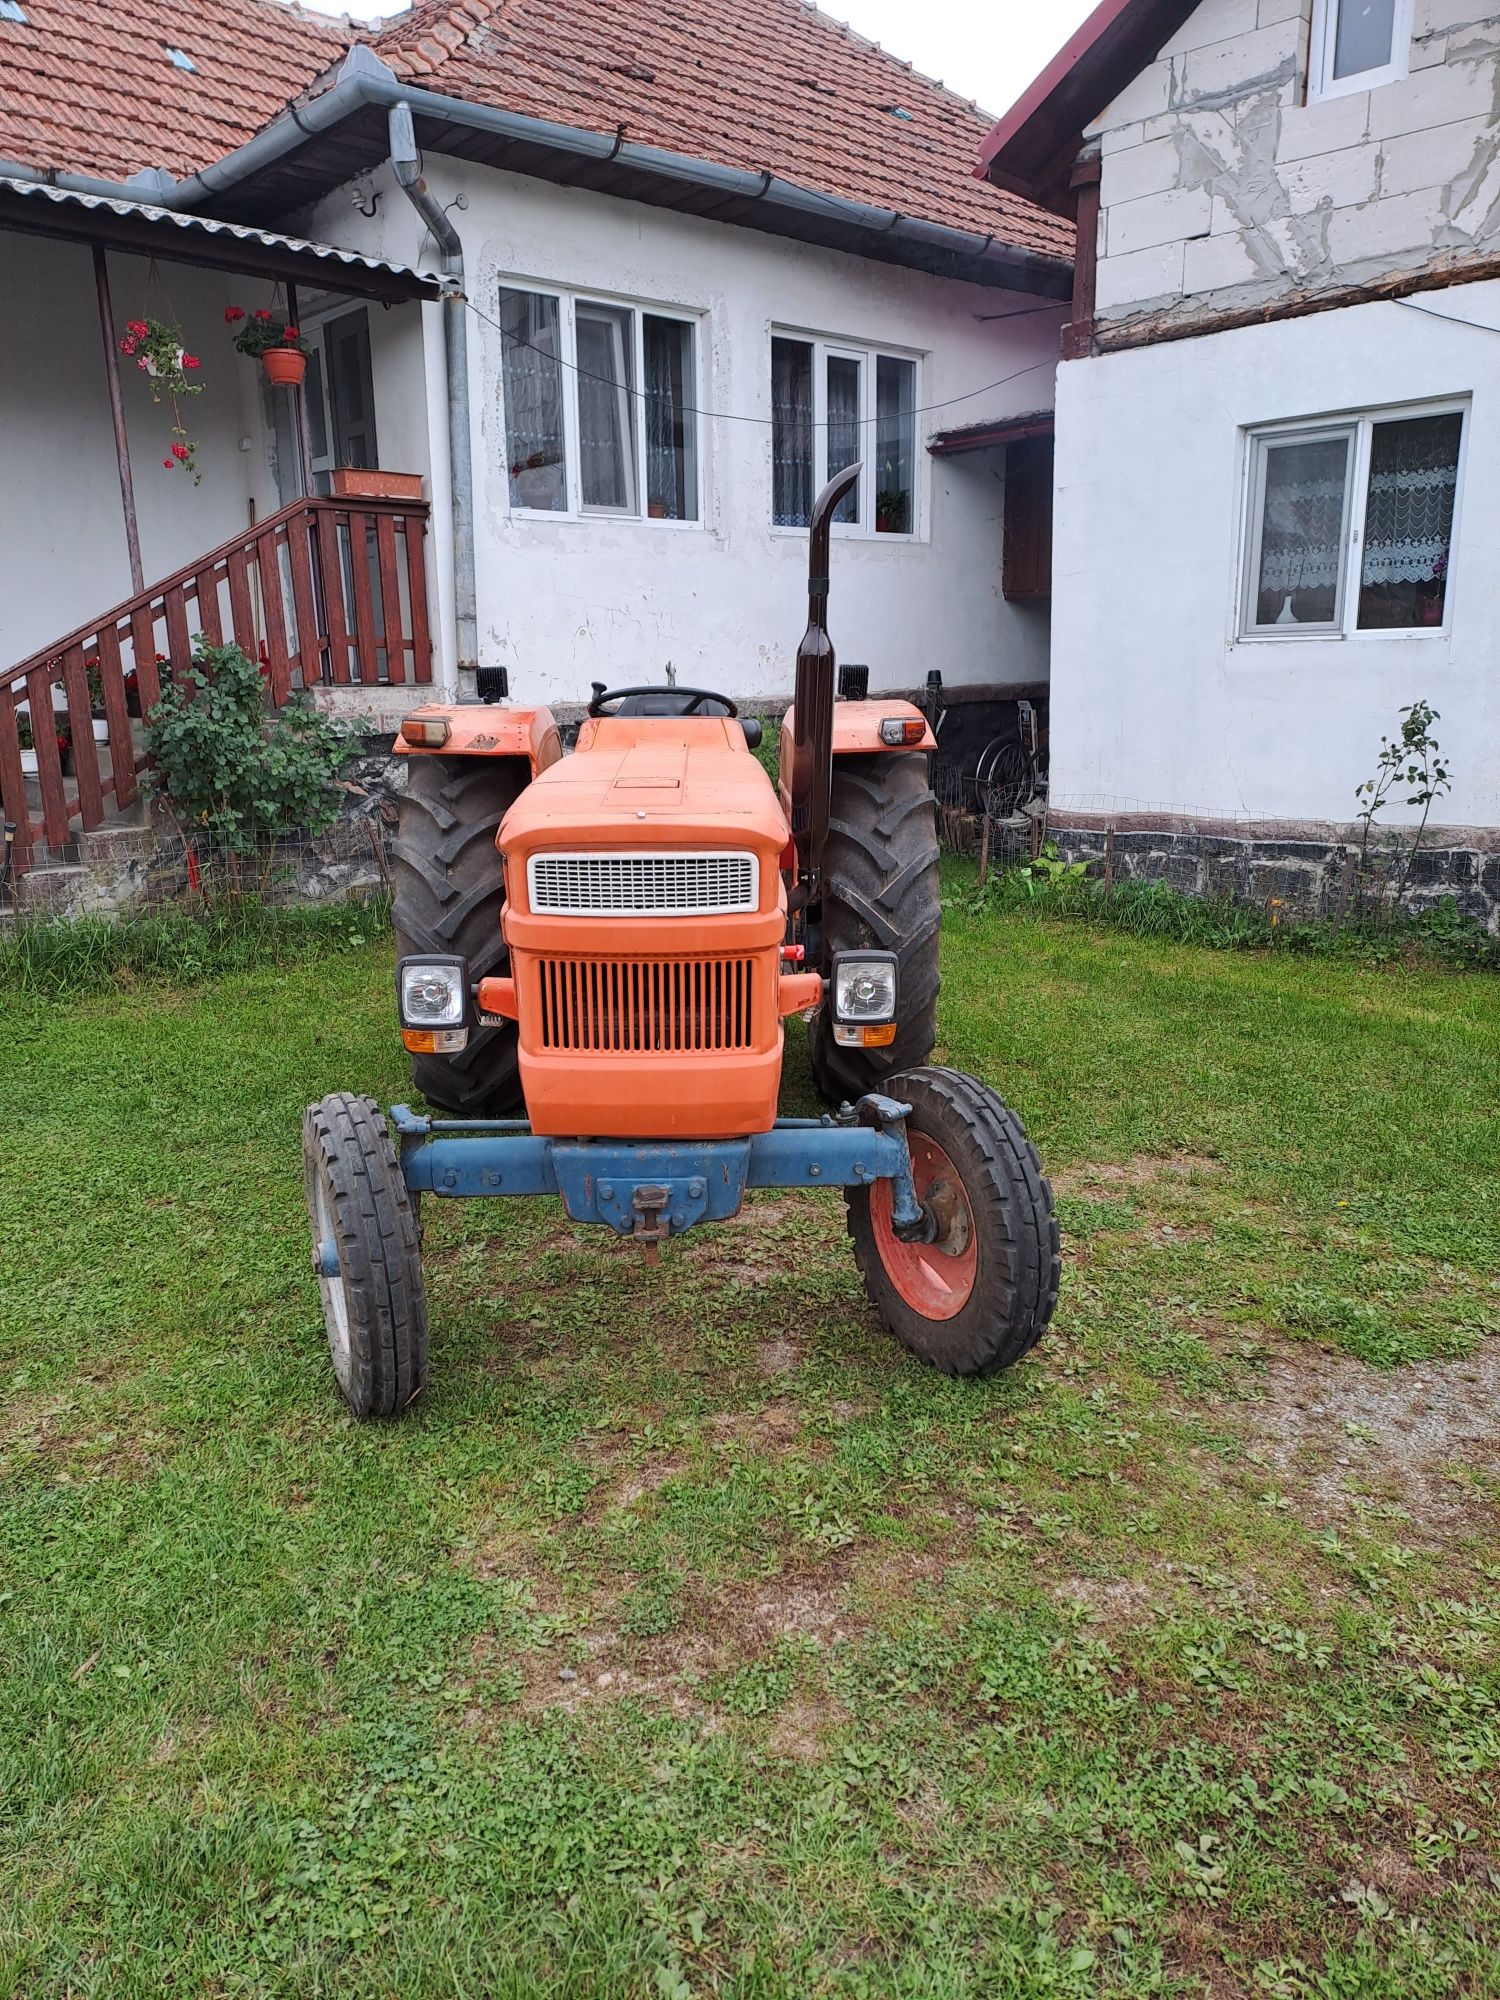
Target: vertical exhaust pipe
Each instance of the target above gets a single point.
(812, 728)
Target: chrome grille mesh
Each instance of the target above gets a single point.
(639, 1006)
(642, 884)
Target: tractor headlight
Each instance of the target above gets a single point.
(864, 999)
(433, 1000)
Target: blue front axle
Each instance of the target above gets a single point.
(655, 1188)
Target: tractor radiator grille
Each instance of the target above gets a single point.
(642, 884)
(643, 1006)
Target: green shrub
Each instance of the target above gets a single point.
(233, 770)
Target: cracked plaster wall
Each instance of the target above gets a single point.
(1223, 190)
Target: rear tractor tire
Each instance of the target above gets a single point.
(881, 893)
(980, 1295)
(367, 1254)
(448, 894)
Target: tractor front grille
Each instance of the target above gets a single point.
(642, 884)
(629, 1006)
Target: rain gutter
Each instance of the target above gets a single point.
(363, 81)
(406, 164)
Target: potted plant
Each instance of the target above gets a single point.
(279, 348)
(98, 713)
(893, 511)
(26, 737)
(159, 353)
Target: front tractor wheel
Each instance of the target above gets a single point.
(880, 892)
(977, 1295)
(367, 1254)
(448, 893)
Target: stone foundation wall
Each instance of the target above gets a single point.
(1309, 875)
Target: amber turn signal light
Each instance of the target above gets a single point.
(899, 729)
(426, 732)
(435, 1041)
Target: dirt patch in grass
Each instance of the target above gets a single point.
(1338, 1432)
(723, 1628)
(801, 1730)
(777, 1357)
(1107, 1600)
(1142, 1170)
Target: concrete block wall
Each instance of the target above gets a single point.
(1224, 189)
(1303, 878)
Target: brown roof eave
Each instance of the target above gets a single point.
(1031, 150)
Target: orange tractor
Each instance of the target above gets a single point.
(611, 941)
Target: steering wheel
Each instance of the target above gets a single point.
(693, 698)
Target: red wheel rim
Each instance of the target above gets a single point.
(935, 1279)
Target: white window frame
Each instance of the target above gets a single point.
(1321, 81)
(826, 347)
(1359, 427)
(568, 301)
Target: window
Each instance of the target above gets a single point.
(1350, 526)
(179, 59)
(830, 406)
(600, 407)
(1357, 44)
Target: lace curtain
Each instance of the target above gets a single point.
(843, 426)
(791, 433)
(606, 428)
(1302, 535)
(1413, 484)
(531, 379)
(671, 468)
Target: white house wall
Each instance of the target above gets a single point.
(566, 602)
(1155, 703)
(1223, 188)
(63, 554)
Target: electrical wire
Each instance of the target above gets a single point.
(1453, 319)
(735, 416)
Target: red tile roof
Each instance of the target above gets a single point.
(763, 84)
(86, 85)
(768, 85)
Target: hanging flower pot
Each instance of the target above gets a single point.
(158, 352)
(284, 366)
(269, 340)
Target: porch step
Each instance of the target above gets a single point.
(54, 891)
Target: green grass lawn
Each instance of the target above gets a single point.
(690, 1638)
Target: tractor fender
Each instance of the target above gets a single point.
(476, 729)
(856, 733)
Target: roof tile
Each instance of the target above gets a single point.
(769, 85)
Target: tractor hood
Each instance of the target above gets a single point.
(650, 781)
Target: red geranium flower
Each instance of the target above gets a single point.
(127, 345)
(167, 463)
(261, 313)
(232, 313)
(290, 333)
(190, 361)
(179, 451)
(137, 326)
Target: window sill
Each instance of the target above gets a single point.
(1329, 637)
(858, 537)
(588, 520)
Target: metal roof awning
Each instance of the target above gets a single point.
(120, 223)
(999, 430)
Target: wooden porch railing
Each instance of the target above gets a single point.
(323, 593)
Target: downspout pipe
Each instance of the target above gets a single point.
(406, 162)
(364, 80)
